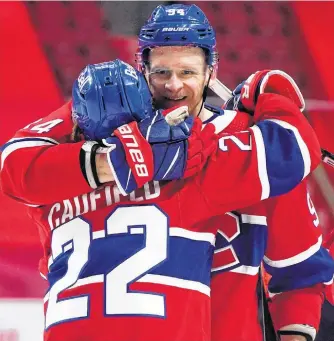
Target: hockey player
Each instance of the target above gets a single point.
(137, 267)
(117, 261)
(285, 234)
(176, 76)
(271, 231)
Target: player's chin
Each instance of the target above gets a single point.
(170, 103)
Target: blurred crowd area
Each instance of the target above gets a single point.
(250, 36)
(46, 44)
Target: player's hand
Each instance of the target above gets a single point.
(246, 94)
(202, 143)
(149, 150)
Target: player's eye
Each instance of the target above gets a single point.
(160, 72)
(188, 72)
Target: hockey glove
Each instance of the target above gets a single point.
(245, 95)
(202, 143)
(149, 150)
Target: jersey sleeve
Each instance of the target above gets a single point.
(329, 245)
(299, 266)
(266, 160)
(40, 165)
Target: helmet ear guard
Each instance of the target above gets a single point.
(108, 95)
(177, 25)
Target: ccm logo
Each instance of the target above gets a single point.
(132, 145)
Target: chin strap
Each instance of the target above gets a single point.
(205, 91)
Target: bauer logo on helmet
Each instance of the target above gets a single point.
(175, 29)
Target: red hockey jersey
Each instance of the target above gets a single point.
(284, 233)
(137, 267)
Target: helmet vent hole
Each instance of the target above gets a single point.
(107, 80)
(148, 33)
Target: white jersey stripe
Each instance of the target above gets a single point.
(200, 236)
(295, 259)
(176, 282)
(254, 219)
(261, 162)
(246, 270)
(43, 276)
(31, 205)
(18, 139)
(175, 232)
(99, 234)
(271, 295)
(23, 144)
(156, 279)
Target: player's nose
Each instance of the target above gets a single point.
(174, 83)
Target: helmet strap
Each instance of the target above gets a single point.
(205, 91)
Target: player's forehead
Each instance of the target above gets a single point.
(177, 56)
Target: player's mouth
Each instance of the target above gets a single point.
(175, 99)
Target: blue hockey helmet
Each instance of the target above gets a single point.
(108, 95)
(177, 25)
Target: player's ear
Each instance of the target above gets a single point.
(213, 77)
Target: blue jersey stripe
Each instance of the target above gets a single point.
(187, 259)
(281, 144)
(318, 268)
